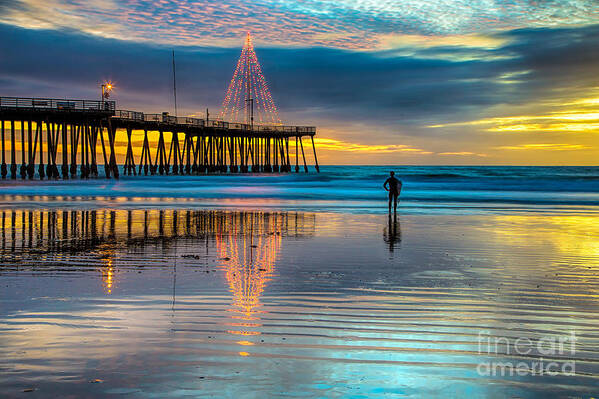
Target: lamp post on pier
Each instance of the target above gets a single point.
(106, 89)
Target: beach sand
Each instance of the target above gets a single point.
(109, 302)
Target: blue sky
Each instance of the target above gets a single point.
(448, 82)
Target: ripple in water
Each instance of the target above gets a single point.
(188, 302)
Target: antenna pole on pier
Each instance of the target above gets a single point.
(250, 105)
(174, 83)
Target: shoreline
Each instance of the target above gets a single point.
(340, 189)
(20, 202)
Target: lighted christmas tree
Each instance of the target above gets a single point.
(248, 99)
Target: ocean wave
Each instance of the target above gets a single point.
(339, 185)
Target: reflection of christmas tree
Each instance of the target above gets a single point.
(251, 249)
(248, 98)
(108, 276)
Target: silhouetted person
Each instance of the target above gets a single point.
(394, 188)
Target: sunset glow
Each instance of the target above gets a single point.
(413, 83)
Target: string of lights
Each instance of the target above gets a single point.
(248, 99)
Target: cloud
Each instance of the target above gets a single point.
(517, 67)
(338, 145)
(463, 153)
(544, 147)
(568, 119)
(524, 81)
(368, 24)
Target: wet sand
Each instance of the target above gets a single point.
(186, 302)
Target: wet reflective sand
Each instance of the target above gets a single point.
(172, 303)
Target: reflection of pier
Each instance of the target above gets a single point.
(25, 232)
(247, 243)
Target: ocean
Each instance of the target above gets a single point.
(336, 188)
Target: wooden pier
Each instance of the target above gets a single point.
(70, 138)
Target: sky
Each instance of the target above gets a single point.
(385, 82)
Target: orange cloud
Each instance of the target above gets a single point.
(544, 146)
(338, 145)
(563, 116)
(464, 153)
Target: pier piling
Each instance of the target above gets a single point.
(3, 167)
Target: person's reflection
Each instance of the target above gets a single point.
(392, 233)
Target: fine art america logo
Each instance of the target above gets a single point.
(549, 355)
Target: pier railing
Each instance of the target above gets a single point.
(56, 104)
(42, 104)
(216, 124)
